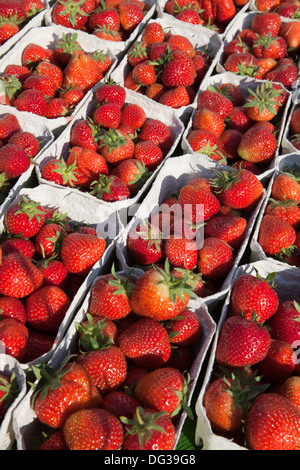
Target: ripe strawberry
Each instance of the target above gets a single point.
(181, 252)
(148, 431)
(8, 28)
(228, 142)
(9, 125)
(144, 244)
(108, 17)
(263, 104)
(267, 46)
(198, 203)
(241, 190)
(81, 251)
(24, 218)
(238, 120)
(137, 53)
(13, 336)
(51, 70)
(106, 365)
(290, 390)
(235, 46)
(242, 63)
(163, 389)
(18, 245)
(96, 330)
(133, 173)
(149, 154)
(72, 13)
(59, 172)
(206, 119)
(32, 7)
(110, 296)
(89, 165)
(93, 429)
(27, 141)
(286, 186)
(107, 115)
(269, 408)
(252, 295)
(211, 266)
(112, 93)
(291, 33)
(67, 47)
(266, 23)
(32, 54)
(284, 324)
(216, 102)
(179, 70)
(185, 330)
(279, 363)
(285, 72)
(14, 161)
(57, 107)
(107, 34)
(48, 240)
(285, 210)
(268, 5)
(131, 15)
(67, 389)
(151, 299)
(275, 235)
(12, 308)
(230, 229)
(175, 97)
(71, 95)
(153, 32)
(9, 390)
(133, 115)
(288, 9)
(54, 273)
(55, 441)
(82, 71)
(32, 101)
(110, 189)
(145, 343)
(116, 145)
(84, 134)
(158, 132)
(242, 343)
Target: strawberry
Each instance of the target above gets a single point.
(81, 251)
(144, 73)
(145, 343)
(131, 15)
(179, 70)
(290, 390)
(185, 330)
(116, 145)
(242, 63)
(285, 73)
(291, 34)
(242, 343)
(13, 336)
(133, 115)
(107, 34)
(150, 298)
(48, 240)
(71, 95)
(137, 53)
(89, 165)
(32, 101)
(84, 134)
(9, 125)
(14, 161)
(181, 252)
(269, 408)
(32, 54)
(238, 120)
(107, 115)
(32, 7)
(230, 229)
(24, 218)
(149, 154)
(279, 363)
(252, 295)
(50, 70)
(72, 13)
(82, 71)
(29, 143)
(235, 46)
(163, 389)
(55, 441)
(18, 245)
(68, 389)
(9, 390)
(104, 17)
(275, 235)
(294, 121)
(239, 190)
(267, 46)
(158, 132)
(198, 203)
(228, 142)
(59, 172)
(54, 273)
(211, 266)
(38, 344)
(93, 429)
(285, 210)
(57, 107)
(133, 173)
(110, 189)
(12, 308)
(265, 23)
(8, 28)
(144, 244)
(110, 296)
(43, 83)
(112, 93)
(288, 9)
(208, 120)
(153, 32)
(148, 431)
(263, 104)
(268, 5)
(175, 97)
(46, 308)
(284, 324)
(216, 102)
(286, 186)
(67, 47)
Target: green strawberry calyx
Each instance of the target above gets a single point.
(73, 9)
(176, 285)
(30, 208)
(9, 388)
(101, 186)
(264, 98)
(224, 180)
(123, 285)
(91, 335)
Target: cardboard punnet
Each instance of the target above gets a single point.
(200, 40)
(83, 211)
(61, 146)
(176, 173)
(48, 37)
(287, 287)
(26, 423)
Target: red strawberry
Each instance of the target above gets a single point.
(59, 172)
(32, 101)
(266, 22)
(275, 235)
(197, 203)
(57, 107)
(18, 245)
(27, 141)
(144, 244)
(181, 252)
(185, 330)
(148, 430)
(116, 145)
(131, 15)
(284, 324)
(269, 408)
(286, 186)
(211, 121)
(137, 53)
(175, 97)
(82, 71)
(8, 392)
(158, 132)
(84, 134)
(242, 63)
(14, 161)
(12, 308)
(242, 343)
(279, 363)
(111, 93)
(215, 258)
(107, 115)
(81, 251)
(73, 390)
(43, 83)
(290, 390)
(38, 344)
(133, 115)
(20, 71)
(215, 102)
(285, 73)
(110, 189)
(89, 165)
(32, 54)
(9, 125)
(133, 173)
(163, 389)
(228, 142)
(120, 404)
(230, 229)
(153, 32)
(149, 153)
(13, 336)
(72, 13)
(179, 70)
(24, 218)
(252, 295)
(48, 240)
(290, 32)
(55, 441)
(54, 273)
(93, 429)
(110, 296)
(285, 210)
(108, 17)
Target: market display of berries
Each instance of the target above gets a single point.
(110, 21)
(50, 82)
(214, 14)
(114, 150)
(166, 67)
(15, 14)
(255, 377)
(236, 126)
(181, 130)
(39, 274)
(267, 49)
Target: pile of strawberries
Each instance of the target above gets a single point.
(214, 14)
(279, 229)
(113, 151)
(111, 21)
(238, 127)
(17, 150)
(267, 49)
(132, 349)
(50, 82)
(166, 67)
(285, 8)
(14, 14)
(219, 206)
(255, 382)
(45, 257)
